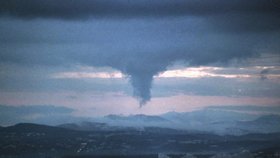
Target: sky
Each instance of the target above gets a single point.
(126, 57)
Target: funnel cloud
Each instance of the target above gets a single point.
(139, 38)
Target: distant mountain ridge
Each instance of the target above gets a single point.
(138, 117)
(220, 122)
(263, 124)
(205, 120)
(34, 128)
(200, 121)
(270, 119)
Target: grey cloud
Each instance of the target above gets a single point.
(216, 87)
(139, 38)
(65, 9)
(25, 80)
(38, 77)
(39, 109)
(140, 66)
(232, 16)
(138, 51)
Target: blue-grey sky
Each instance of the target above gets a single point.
(110, 56)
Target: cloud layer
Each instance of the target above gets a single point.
(122, 8)
(138, 38)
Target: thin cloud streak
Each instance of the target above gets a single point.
(191, 72)
(188, 73)
(81, 75)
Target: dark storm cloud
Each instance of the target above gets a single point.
(139, 38)
(71, 9)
